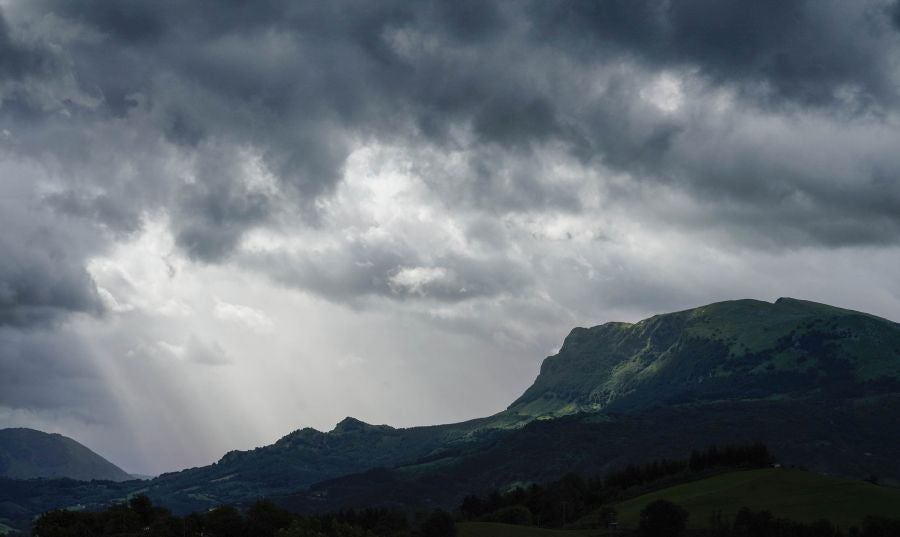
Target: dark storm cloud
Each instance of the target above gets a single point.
(38, 288)
(213, 211)
(202, 86)
(50, 370)
(801, 51)
(42, 272)
(18, 60)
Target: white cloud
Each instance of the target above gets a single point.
(251, 318)
(415, 279)
(665, 92)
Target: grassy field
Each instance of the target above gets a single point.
(490, 529)
(792, 494)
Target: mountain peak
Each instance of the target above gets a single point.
(351, 424)
(29, 453)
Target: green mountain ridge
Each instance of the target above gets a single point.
(27, 453)
(742, 349)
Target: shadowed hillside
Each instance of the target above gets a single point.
(26, 453)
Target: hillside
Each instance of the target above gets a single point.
(742, 349)
(854, 439)
(308, 456)
(791, 494)
(26, 454)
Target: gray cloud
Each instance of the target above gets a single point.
(303, 86)
(809, 53)
(49, 370)
(357, 270)
(42, 258)
(18, 60)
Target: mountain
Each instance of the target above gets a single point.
(26, 454)
(305, 457)
(742, 349)
(819, 385)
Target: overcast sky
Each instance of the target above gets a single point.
(223, 221)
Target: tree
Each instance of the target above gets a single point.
(514, 514)
(438, 524)
(471, 507)
(301, 528)
(224, 521)
(264, 518)
(662, 518)
(143, 507)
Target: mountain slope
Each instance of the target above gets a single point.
(760, 357)
(791, 494)
(854, 439)
(818, 384)
(308, 456)
(26, 453)
(742, 349)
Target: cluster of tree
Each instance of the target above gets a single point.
(551, 505)
(263, 519)
(753, 456)
(556, 503)
(729, 457)
(663, 518)
(749, 523)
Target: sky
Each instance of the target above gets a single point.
(224, 221)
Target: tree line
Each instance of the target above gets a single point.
(139, 517)
(556, 503)
(663, 518)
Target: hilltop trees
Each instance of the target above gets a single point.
(139, 517)
(662, 518)
(437, 524)
(558, 502)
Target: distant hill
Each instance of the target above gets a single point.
(791, 494)
(26, 454)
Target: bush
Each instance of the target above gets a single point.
(515, 514)
(438, 524)
(662, 518)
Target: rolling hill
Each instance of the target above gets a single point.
(26, 454)
(791, 494)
